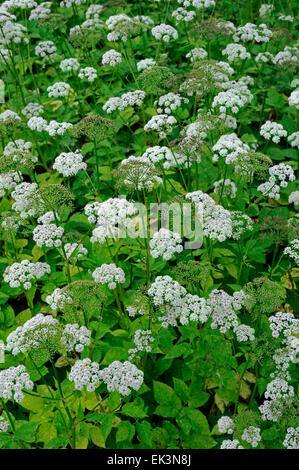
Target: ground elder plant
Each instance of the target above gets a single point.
(149, 226)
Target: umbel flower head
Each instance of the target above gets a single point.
(206, 77)
(17, 157)
(24, 273)
(39, 335)
(94, 127)
(123, 377)
(12, 382)
(109, 274)
(249, 163)
(157, 80)
(137, 173)
(80, 301)
(52, 197)
(263, 296)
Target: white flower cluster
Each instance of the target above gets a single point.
(88, 73)
(283, 173)
(68, 164)
(199, 4)
(41, 11)
(180, 14)
(117, 25)
(165, 243)
(48, 235)
(132, 98)
(252, 435)
(142, 341)
(294, 198)
(23, 273)
(280, 175)
(145, 64)
(283, 323)
(9, 181)
(112, 58)
(33, 334)
(286, 18)
(139, 173)
(233, 99)
(111, 216)
(37, 123)
(291, 440)
(244, 333)
(57, 128)
(228, 146)
(158, 154)
(294, 99)
(235, 51)
(293, 250)
(85, 373)
(223, 309)
(165, 32)
(32, 109)
(197, 53)
(241, 223)
(12, 382)
(47, 218)
(75, 338)
(169, 103)
(161, 123)
(175, 303)
(109, 274)
(13, 33)
(4, 425)
(289, 56)
(54, 128)
(91, 211)
(279, 388)
(227, 187)
(231, 444)
(216, 221)
(265, 9)
(273, 131)
(294, 138)
(264, 57)
(58, 299)
(94, 11)
(271, 410)
(164, 290)
(70, 3)
(251, 32)
(21, 195)
(58, 90)
(45, 48)
(193, 309)
(225, 425)
(69, 65)
(122, 377)
(9, 115)
(20, 152)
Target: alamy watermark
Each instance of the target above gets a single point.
(185, 219)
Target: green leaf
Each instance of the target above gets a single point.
(165, 395)
(144, 431)
(181, 389)
(125, 431)
(96, 436)
(134, 411)
(26, 431)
